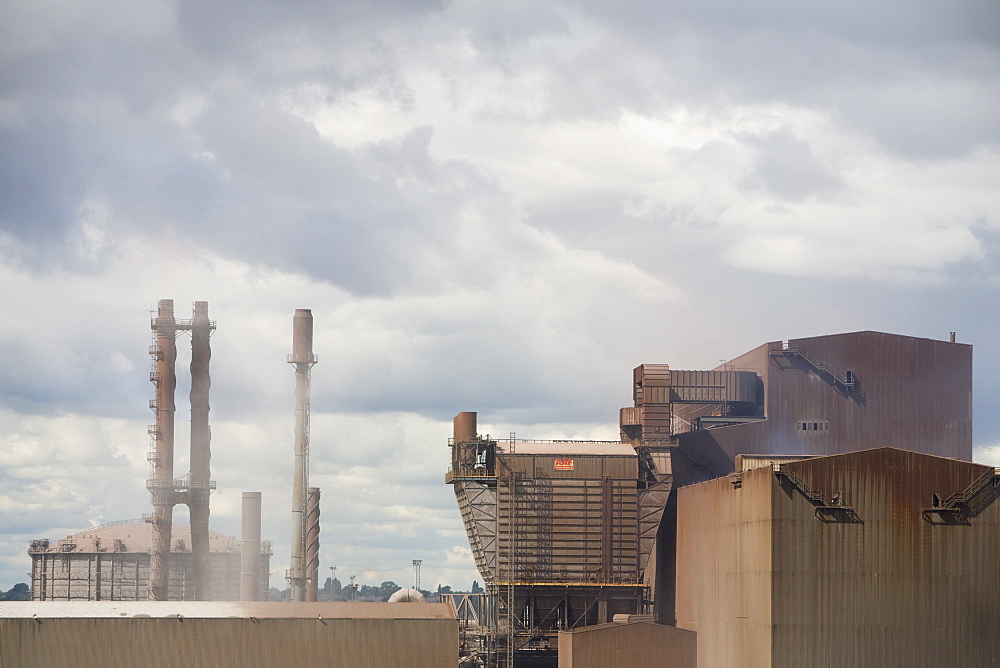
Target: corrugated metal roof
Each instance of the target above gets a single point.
(579, 448)
(222, 610)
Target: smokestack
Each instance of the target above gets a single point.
(952, 337)
(199, 486)
(303, 359)
(312, 545)
(161, 457)
(464, 426)
(250, 588)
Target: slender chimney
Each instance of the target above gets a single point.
(303, 359)
(161, 457)
(200, 485)
(312, 545)
(250, 587)
(952, 337)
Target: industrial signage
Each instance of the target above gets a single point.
(564, 465)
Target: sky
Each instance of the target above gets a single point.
(499, 207)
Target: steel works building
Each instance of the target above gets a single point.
(809, 503)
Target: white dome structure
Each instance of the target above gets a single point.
(407, 596)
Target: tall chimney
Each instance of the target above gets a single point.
(250, 587)
(312, 545)
(199, 485)
(161, 457)
(303, 359)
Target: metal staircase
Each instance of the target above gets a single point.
(844, 380)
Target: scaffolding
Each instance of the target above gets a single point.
(561, 532)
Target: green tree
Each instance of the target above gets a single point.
(19, 592)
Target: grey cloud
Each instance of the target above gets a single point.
(785, 166)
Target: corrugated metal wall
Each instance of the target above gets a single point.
(236, 643)
(767, 580)
(724, 543)
(909, 393)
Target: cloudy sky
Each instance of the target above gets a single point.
(497, 207)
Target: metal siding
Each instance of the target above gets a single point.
(346, 643)
(892, 589)
(889, 589)
(910, 393)
(723, 569)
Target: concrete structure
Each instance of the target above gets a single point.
(250, 567)
(113, 563)
(165, 490)
(237, 635)
(303, 359)
(635, 645)
(875, 558)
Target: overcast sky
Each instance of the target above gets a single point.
(495, 207)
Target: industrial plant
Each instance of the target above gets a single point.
(808, 503)
(811, 502)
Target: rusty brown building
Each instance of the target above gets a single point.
(814, 396)
(561, 532)
(881, 557)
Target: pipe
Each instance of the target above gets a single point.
(164, 377)
(250, 587)
(303, 359)
(199, 485)
(312, 545)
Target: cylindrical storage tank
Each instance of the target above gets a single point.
(302, 335)
(250, 589)
(465, 427)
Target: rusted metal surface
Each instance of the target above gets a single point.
(906, 392)
(161, 457)
(767, 579)
(194, 490)
(561, 532)
(228, 634)
(750, 462)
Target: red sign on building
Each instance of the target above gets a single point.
(564, 465)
